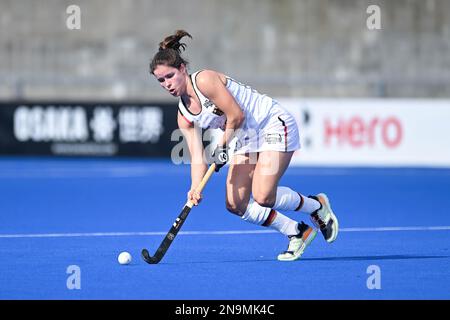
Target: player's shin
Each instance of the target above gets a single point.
(268, 217)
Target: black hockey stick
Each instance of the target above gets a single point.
(165, 244)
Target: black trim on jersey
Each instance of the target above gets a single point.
(187, 109)
(184, 105)
(199, 100)
(285, 133)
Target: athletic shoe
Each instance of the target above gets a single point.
(324, 218)
(298, 243)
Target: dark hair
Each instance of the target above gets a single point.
(169, 51)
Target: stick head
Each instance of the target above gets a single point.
(149, 259)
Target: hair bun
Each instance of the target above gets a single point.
(173, 41)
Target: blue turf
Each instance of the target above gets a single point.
(44, 195)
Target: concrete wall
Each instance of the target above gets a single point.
(284, 48)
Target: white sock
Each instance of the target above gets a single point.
(255, 213)
(309, 205)
(283, 224)
(268, 217)
(288, 199)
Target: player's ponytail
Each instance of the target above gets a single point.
(173, 41)
(169, 52)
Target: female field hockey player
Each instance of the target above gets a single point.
(267, 136)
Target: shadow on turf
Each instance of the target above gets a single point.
(353, 258)
(387, 257)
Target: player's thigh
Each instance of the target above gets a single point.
(269, 169)
(239, 183)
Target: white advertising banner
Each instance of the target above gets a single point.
(372, 132)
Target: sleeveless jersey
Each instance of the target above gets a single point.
(256, 106)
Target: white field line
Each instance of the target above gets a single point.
(160, 233)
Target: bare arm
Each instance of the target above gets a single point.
(195, 145)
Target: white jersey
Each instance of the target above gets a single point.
(265, 126)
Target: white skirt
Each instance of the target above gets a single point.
(277, 132)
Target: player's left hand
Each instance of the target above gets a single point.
(220, 157)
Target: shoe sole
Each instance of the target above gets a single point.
(308, 241)
(336, 222)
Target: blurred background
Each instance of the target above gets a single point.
(89, 60)
(289, 48)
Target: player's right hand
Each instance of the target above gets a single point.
(194, 197)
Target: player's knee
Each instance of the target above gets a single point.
(235, 208)
(264, 200)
